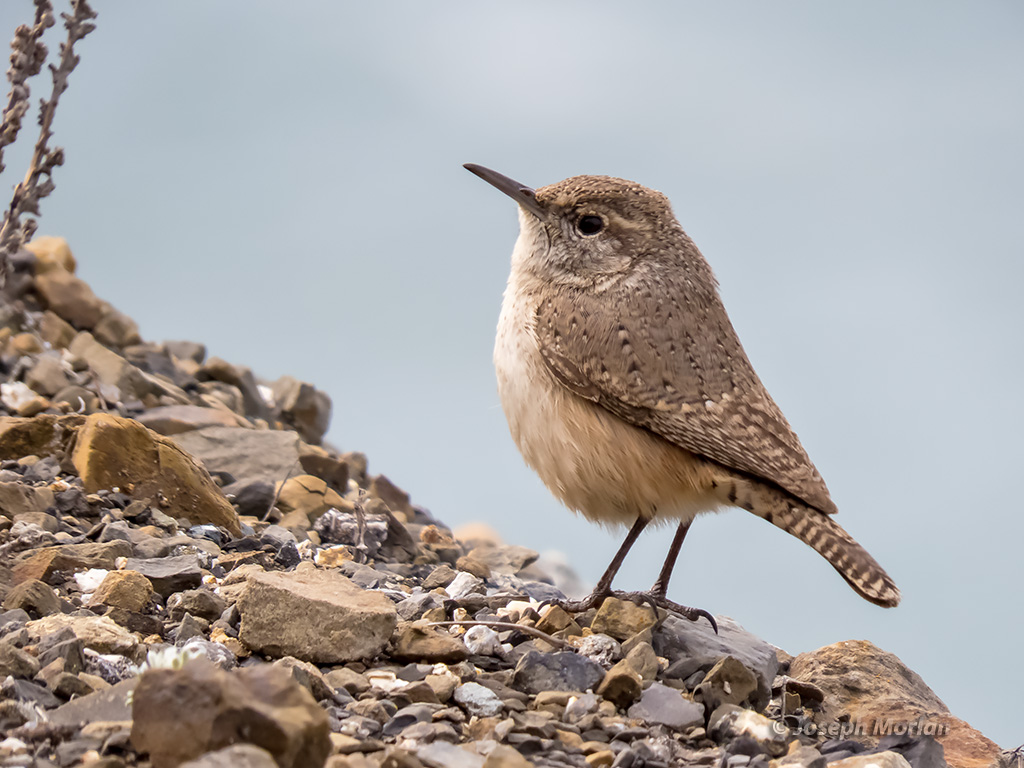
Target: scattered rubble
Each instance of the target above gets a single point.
(190, 577)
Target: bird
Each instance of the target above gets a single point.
(627, 390)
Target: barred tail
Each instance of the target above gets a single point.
(824, 535)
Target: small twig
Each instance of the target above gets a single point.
(557, 642)
(26, 61)
(28, 53)
(277, 492)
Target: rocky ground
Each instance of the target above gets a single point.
(190, 577)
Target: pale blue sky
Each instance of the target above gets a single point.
(284, 183)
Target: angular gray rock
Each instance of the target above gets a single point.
(662, 705)
(693, 645)
(168, 574)
(108, 705)
(176, 419)
(246, 454)
(562, 671)
(304, 407)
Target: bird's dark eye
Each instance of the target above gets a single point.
(590, 224)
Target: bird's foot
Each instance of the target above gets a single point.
(593, 600)
(652, 599)
(660, 601)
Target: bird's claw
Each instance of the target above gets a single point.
(652, 599)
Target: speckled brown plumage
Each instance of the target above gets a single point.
(626, 386)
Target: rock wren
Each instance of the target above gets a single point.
(627, 390)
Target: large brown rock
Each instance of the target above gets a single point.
(878, 692)
(42, 435)
(178, 715)
(70, 297)
(316, 616)
(20, 498)
(427, 644)
(114, 452)
(310, 497)
(97, 632)
(52, 253)
(32, 596)
(67, 558)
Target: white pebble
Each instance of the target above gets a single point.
(464, 584)
(603, 649)
(483, 641)
(89, 580)
(478, 700)
(14, 394)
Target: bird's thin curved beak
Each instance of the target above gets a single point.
(522, 194)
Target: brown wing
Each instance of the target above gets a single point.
(659, 352)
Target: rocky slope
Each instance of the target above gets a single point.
(190, 577)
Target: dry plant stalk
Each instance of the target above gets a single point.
(28, 53)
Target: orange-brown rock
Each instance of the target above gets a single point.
(70, 297)
(51, 253)
(309, 497)
(181, 714)
(878, 691)
(42, 435)
(124, 589)
(112, 452)
(42, 563)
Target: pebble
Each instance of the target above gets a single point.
(601, 649)
(730, 722)
(428, 644)
(483, 641)
(562, 671)
(478, 700)
(464, 584)
(667, 706)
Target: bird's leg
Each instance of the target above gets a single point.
(660, 587)
(604, 586)
(656, 595)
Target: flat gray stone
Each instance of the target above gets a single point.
(168, 574)
(662, 705)
(177, 419)
(246, 454)
(110, 704)
(562, 671)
